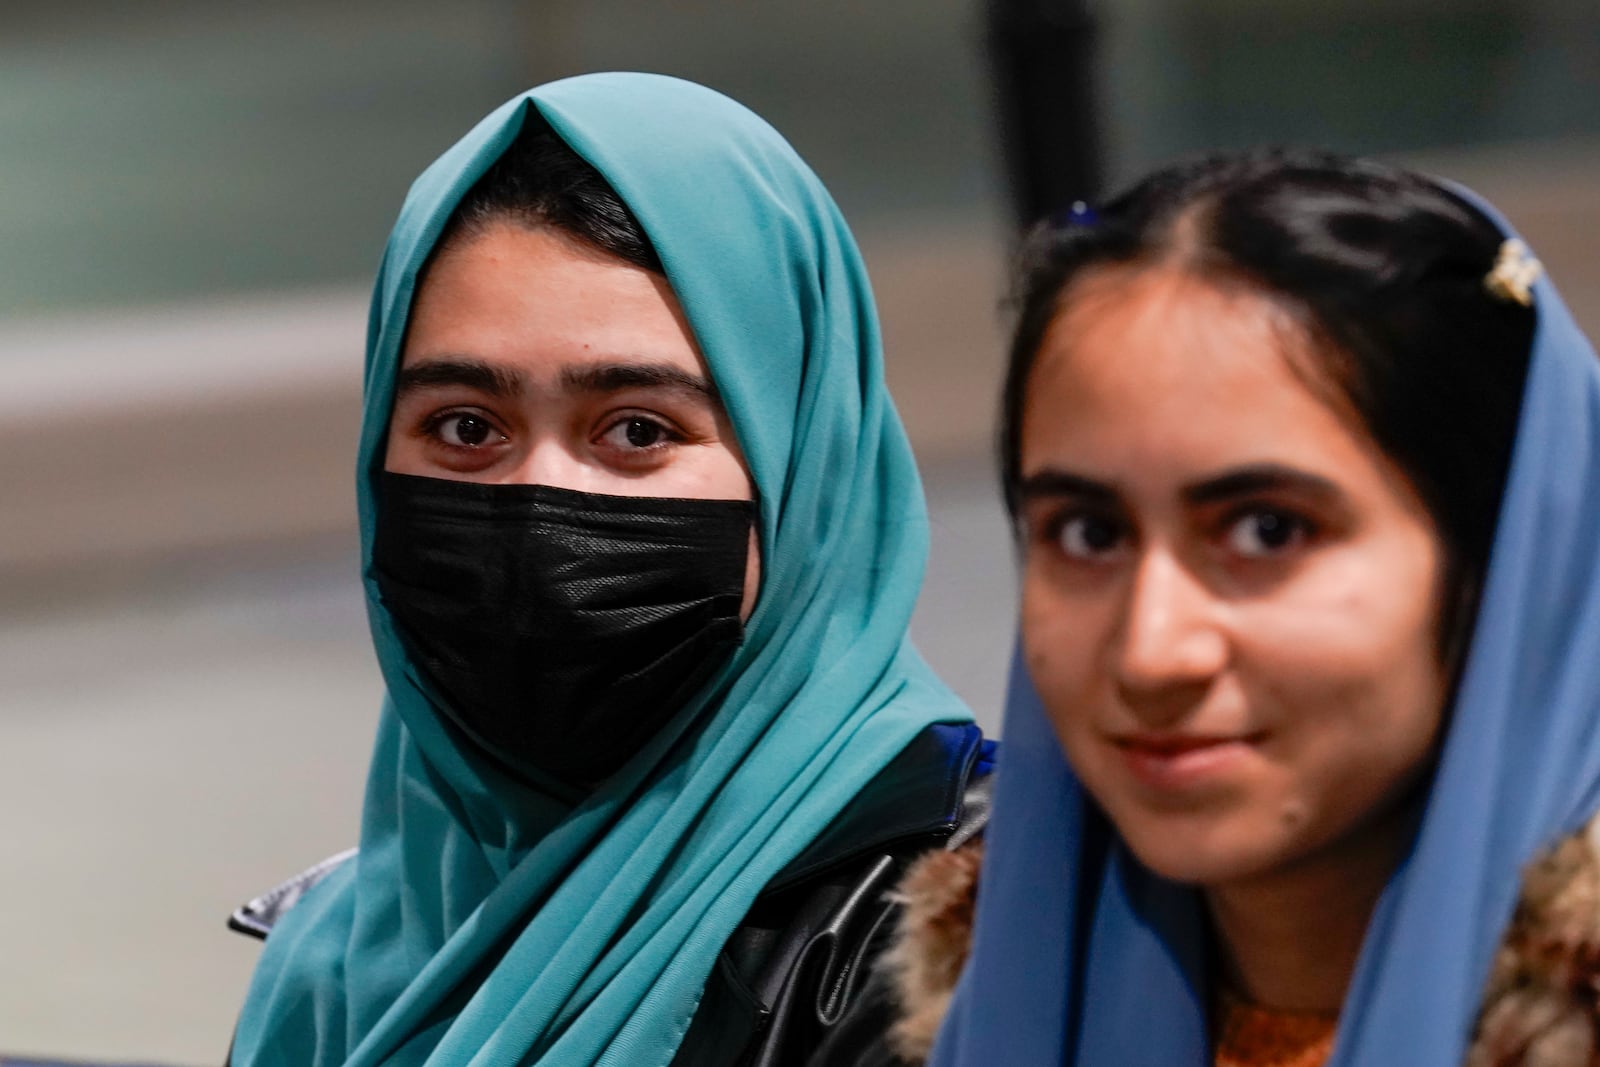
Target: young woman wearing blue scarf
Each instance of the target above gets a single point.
(1303, 746)
(641, 536)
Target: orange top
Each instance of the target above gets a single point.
(1248, 1036)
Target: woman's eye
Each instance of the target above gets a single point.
(637, 433)
(466, 430)
(1266, 533)
(1089, 536)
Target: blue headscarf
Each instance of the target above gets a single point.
(1113, 974)
(486, 921)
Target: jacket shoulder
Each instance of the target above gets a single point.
(257, 917)
(903, 977)
(894, 1022)
(935, 788)
(803, 958)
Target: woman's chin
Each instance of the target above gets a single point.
(1204, 856)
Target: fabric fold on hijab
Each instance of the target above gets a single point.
(489, 920)
(1113, 973)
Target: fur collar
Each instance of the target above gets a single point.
(1541, 1007)
(938, 898)
(1542, 1004)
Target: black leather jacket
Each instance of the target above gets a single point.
(803, 954)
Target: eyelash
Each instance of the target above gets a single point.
(1054, 527)
(433, 428)
(670, 434)
(433, 425)
(1302, 529)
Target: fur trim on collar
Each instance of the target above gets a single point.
(1541, 1007)
(938, 895)
(1542, 1003)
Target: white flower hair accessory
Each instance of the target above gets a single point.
(1514, 272)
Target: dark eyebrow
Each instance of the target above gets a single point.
(1259, 478)
(472, 373)
(615, 377)
(1245, 481)
(1050, 482)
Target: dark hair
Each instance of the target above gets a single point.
(1385, 271)
(540, 181)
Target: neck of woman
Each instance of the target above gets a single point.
(1289, 937)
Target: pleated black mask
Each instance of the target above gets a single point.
(560, 629)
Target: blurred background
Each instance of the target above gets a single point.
(192, 199)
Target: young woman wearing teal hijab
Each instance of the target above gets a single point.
(1303, 747)
(642, 537)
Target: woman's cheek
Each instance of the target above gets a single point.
(1058, 635)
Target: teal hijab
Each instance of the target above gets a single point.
(487, 920)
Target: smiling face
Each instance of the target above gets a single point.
(1229, 593)
(533, 359)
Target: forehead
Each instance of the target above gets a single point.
(534, 300)
(1150, 370)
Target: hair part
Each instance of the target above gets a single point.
(1384, 272)
(541, 182)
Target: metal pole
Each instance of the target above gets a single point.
(1043, 55)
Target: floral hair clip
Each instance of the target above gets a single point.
(1515, 270)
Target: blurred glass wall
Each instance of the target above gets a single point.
(175, 150)
(168, 151)
(1365, 76)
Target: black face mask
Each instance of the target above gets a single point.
(560, 629)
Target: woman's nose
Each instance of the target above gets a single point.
(549, 461)
(1170, 644)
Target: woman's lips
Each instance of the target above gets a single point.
(1174, 763)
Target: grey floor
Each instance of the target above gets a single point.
(170, 750)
